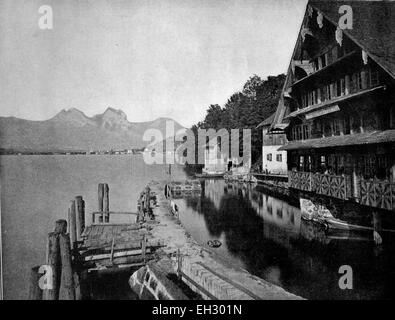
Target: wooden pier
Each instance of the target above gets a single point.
(76, 251)
(149, 248)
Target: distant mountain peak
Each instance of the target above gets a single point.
(113, 119)
(72, 129)
(111, 112)
(72, 115)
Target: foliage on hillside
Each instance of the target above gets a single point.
(246, 109)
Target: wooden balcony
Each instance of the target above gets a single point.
(328, 185)
(301, 180)
(333, 186)
(378, 194)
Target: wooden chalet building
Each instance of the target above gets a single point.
(338, 105)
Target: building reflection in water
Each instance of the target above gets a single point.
(266, 236)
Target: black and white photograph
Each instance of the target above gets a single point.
(197, 150)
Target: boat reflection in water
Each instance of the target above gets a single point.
(266, 236)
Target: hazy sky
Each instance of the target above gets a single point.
(149, 58)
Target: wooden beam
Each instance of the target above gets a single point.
(67, 279)
(80, 217)
(100, 193)
(106, 203)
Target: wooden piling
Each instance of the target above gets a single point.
(106, 203)
(80, 217)
(53, 261)
(377, 228)
(143, 247)
(67, 279)
(61, 226)
(100, 193)
(35, 292)
(72, 223)
(77, 286)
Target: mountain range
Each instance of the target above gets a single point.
(72, 130)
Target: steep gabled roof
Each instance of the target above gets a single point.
(373, 31)
(373, 27)
(267, 122)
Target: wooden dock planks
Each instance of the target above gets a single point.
(108, 245)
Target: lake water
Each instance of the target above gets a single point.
(266, 236)
(36, 190)
(259, 232)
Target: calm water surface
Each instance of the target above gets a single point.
(266, 236)
(259, 232)
(36, 190)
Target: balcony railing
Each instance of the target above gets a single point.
(328, 185)
(378, 194)
(301, 180)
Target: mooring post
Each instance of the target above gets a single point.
(143, 247)
(35, 292)
(61, 226)
(72, 224)
(53, 261)
(100, 193)
(77, 286)
(147, 198)
(67, 278)
(106, 203)
(377, 228)
(80, 215)
(178, 263)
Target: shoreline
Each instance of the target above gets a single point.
(171, 231)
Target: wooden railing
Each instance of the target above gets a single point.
(329, 185)
(301, 180)
(378, 194)
(333, 186)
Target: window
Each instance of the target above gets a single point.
(347, 124)
(306, 132)
(279, 157)
(332, 90)
(323, 161)
(324, 58)
(336, 127)
(353, 83)
(339, 87)
(327, 129)
(325, 93)
(342, 86)
(320, 63)
(304, 100)
(316, 66)
(301, 163)
(374, 77)
(315, 96)
(294, 137)
(299, 133)
(309, 98)
(359, 80)
(269, 157)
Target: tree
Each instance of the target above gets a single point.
(246, 109)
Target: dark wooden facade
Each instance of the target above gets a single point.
(340, 111)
